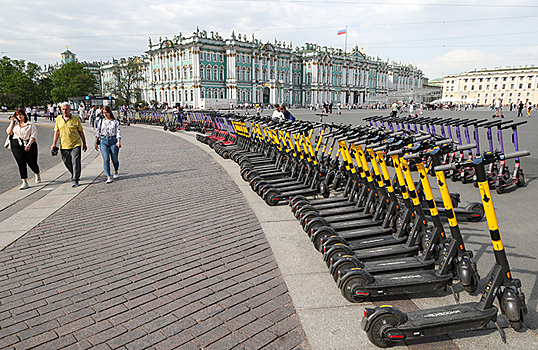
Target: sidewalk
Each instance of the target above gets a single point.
(179, 253)
(169, 256)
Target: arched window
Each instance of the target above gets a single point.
(221, 73)
(222, 93)
(201, 72)
(237, 73)
(239, 95)
(249, 77)
(215, 73)
(208, 73)
(192, 95)
(190, 73)
(202, 93)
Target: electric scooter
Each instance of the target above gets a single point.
(504, 180)
(386, 325)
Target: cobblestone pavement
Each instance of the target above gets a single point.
(169, 256)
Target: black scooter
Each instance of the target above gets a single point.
(386, 325)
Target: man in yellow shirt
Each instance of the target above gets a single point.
(68, 129)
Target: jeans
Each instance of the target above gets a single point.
(109, 149)
(71, 158)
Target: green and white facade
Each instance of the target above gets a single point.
(186, 70)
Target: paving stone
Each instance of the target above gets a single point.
(135, 280)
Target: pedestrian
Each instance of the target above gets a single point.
(23, 145)
(529, 109)
(331, 107)
(69, 130)
(258, 111)
(395, 109)
(93, 115)
(81, 113)
(34, 113)
(277, 115)
(108, 137)
(287, 114)
(520, 109)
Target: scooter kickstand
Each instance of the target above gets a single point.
(501, 332)
(455, 294)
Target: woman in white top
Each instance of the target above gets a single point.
(23, 145)
(109, 137)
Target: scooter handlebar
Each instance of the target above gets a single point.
(422, 138)
(395, 152)
(412, 156)
(445, 167)
(466, 147)
(517, 154)
(444, 142)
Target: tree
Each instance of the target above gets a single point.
(19, 83)
(72, 80)
(129, 76)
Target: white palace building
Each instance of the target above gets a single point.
(191, 70)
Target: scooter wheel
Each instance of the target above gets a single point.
(478, 212)
(517, 325)
(349, 289)
(322, 236)
(343, 267)
(499, 188)
(271, 198)
(324, 189)
(379, 325)
(520, 180)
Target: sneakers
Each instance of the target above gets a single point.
(37, 178)
(75, 184)
(24, 186)
(108, 181)
(115, 176)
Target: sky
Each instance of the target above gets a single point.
(438, 36)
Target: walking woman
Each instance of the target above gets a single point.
(108, 137)
(23, 145)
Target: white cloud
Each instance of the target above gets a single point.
(439, 37)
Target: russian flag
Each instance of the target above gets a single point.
(343, 31)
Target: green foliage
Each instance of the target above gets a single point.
(20, 83)
(128, 75)
(72, 80)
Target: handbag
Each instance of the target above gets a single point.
(7, 144)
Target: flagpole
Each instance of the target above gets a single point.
(345, 47)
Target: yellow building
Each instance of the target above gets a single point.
(510, 84)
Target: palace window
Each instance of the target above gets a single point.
(504, 86)
(202, 93)
(208, 73)
(521, 86)
(529, 86)
(202, 72)
(221, 73)
(511, 86)
(215, 73)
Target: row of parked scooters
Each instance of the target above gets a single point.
(498, 173)
(382, 235)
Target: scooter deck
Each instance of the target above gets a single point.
(386, 252)
(407, 263)
(365, 232)
(340, 211)
(447, 319)
(336, 204)
(357, 215)
(330, 200)
(357, 244)
(347, 225)
(406, 282)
